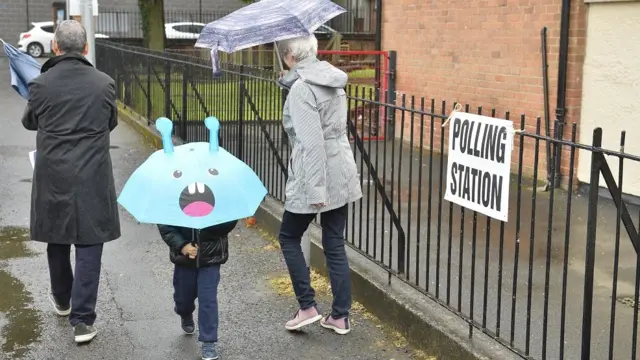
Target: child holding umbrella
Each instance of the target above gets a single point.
(197, 255)
(185, 190)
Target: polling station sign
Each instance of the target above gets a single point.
(479, 163)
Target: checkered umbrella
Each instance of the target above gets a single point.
(265, 22)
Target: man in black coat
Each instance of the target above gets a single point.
(73, 198)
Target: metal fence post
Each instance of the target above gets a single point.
(116, 69)
(284, 139)
(592, 222)
(149, 103)
(185, 103)
(241, 120)
(128, 81)
(391, 96)
(167, 89)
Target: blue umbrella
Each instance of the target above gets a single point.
(23, 69)
(265, 22)
(195, 185)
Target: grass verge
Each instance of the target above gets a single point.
(201, 97)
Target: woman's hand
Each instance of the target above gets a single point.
(190, 251)
(283, 73)
(319, 206)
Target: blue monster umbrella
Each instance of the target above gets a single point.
(23, 69)
(195, 185)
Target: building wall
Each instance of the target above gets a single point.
(485, 53)
(611, 89)
(13, 17)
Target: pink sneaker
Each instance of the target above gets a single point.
(342, 326)
(303, 318)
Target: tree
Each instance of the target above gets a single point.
(152, 18)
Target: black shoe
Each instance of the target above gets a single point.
(209, 351)
(60, 309)
(84, 333)
(188, 326)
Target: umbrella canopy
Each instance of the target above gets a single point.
(195, 185)
(265, 22)
(23, 69)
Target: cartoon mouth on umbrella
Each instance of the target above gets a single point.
(197, 200)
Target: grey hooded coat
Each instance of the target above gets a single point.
(322, 168)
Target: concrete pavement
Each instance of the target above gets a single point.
(135, 317)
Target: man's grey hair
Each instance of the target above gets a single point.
(300, 47)
(71, 37)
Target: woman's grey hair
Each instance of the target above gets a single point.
(300, 47)
(71, 37)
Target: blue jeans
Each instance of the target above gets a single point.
(81, 290)
(333, 225)
(201, 283)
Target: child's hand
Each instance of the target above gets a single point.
(190, 251)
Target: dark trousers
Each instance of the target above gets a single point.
(81, 291)
(201, 283)
(333, 225)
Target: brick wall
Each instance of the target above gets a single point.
(486, 53)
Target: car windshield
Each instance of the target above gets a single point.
(196, 29)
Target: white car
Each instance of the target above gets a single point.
(183, 30)
(191, 30)
(37, 41)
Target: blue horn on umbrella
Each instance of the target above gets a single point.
(165, 126)
(213, 125)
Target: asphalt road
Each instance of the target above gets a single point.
(135, 317)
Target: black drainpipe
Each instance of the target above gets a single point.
(378, 74)
(562, 81)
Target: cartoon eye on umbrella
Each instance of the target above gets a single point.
(196, 185)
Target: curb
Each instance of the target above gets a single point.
(149, 133)
(423, 322)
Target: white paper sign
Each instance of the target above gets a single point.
(479, 163)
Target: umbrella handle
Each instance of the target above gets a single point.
(193, 240)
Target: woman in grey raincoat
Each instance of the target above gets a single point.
(323, 177)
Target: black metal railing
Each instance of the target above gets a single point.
(562, 275)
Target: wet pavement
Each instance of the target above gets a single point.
(135, 318)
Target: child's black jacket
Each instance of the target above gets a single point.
(213, 244)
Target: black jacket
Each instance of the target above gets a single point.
(213, 244)
(72, 106)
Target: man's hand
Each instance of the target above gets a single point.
(190, 251)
